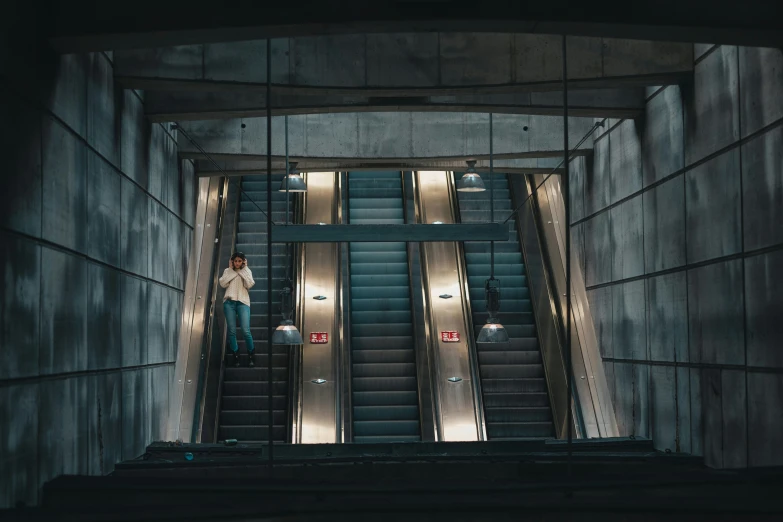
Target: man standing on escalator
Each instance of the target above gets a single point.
(237, 279)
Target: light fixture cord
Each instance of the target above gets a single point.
(491, 203)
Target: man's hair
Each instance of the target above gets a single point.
(239, 255)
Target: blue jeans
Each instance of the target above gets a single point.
(232, 309)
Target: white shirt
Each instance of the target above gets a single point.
(236, 283)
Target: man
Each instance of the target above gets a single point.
(237, 279)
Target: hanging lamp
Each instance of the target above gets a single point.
(492, 331)
(471, 181)
(292, 181)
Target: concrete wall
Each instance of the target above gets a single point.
(679, 220)
(97, 221)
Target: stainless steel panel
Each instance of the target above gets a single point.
(320, 277)
(457, 401)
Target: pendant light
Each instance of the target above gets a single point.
(287, 333)
(471, 181)
(492, 331)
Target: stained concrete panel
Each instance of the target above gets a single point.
(539, 57)
(667, 317)
(104, 419)
(390, 63)
(578, 246)
(173, 178)
(598, 251)
(629, 57)
(176, 276)
(629, 321)
(765, 423)
(734, 409)
(336, 61)
(104, 348)
(104, 209)
(104, 126)
(189, 192)
(716, 313)
(625, 160)
(761, 82)
(321, 135)
(135, 413)
(185, 251)
(245, 62)
(700, 50)
(601, 307)
(20, 146)
(133, 326)
(712, 193)
(173, 323)
(624, 398)
(382, 135)
(664, 226)
(627, 239)
(157, 321)
(712, 105)
(135, 138)
(157, 162)
(597, 183)
(180, 61)
(712, 416)
(19, 406)
(662, 138)
(576, 187)
(64, 292)
(66, 91)
(20, 264)
(158, 247)
(159, 386)
(134, 230)
(463, 58)
(64, 187)
(697, 412)
(641, 394)
(684, 417)
(63, 430)
(762, 190)
(764, 293)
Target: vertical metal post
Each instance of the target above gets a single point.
(567, 197)
(270, 326)
(491, 202)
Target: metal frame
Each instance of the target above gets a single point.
(346, 409)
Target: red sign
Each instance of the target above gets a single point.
(319, 338)
(449, 337)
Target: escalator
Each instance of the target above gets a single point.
(244, 405)
(516, 403)
(383, 381)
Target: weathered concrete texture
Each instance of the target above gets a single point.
(662, 138)
(104, 418)
(134, 229)
(578, 172)
(765, 424)
(385, 135)
(712, 193)
(20, 264)
(664, 226)
(173, 323)
(712, 416)
(700, 49)
(133, 327)
(157, 314)
(158, 246)
(173, 177)
(404, 62)
(627, 244)
(189, 192)
(625, 160)
(597, 183)
(104, 345)
(667, 317)
(135, 139)
(684, 417)
(157, 163)
(66, 94)
(104, 209)
(663, 407)
(64, 291)
(712, 105)
(64, 186)
(734, 408)
(103, 109)
(19, 411)
(135, 413)
(176, 238)
(697, 412)
(762, 187)
(715, 309)
(598, 249)
(20, 146)
(761, 82)
(600, 301)
(624, 398)
(629, 321)
(764, 292)
(159, 386)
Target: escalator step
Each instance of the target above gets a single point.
(385, 428)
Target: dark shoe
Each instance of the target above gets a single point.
(236, 359)
(252, 363)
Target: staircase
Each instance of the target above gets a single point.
(383, 380)
(516, 404)
(244, 408)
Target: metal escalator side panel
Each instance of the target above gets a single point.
(454, 383)
(320, 357)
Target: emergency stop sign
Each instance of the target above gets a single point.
(449, 337)
(319, 338)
